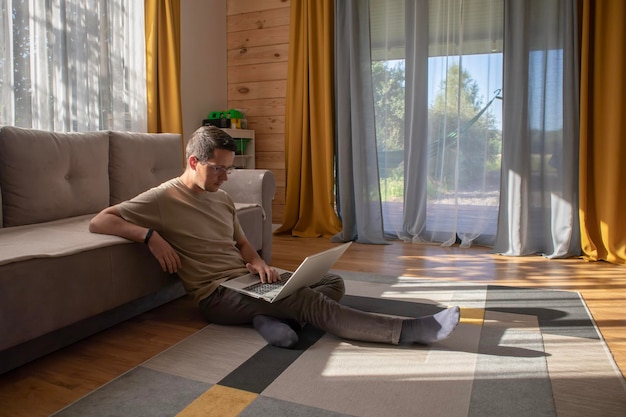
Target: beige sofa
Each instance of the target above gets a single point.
(58, 282)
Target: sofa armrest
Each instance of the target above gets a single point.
(255, 186)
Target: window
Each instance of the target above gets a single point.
(461, 96)
(73, 65)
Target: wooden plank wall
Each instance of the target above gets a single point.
(258, 45)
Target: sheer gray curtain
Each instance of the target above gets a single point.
(487, 132)
(452, 56)
(358, 196)
(416, 121)
(539, 192)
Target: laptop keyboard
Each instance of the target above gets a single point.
(262, 288)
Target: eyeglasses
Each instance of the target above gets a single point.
(219, 168)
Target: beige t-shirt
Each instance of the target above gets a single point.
(202, 228)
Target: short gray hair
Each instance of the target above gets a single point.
(205, 140)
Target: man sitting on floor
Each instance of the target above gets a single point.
(191, 228)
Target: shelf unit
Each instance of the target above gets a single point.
(245, 160)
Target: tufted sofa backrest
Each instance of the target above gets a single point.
(139, 161)
(47, 176)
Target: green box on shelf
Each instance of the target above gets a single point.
(242, 144)
(224, 119)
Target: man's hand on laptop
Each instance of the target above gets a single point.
(265, 272)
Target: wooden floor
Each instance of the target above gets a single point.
(48, 384)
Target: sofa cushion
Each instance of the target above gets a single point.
(48, 175)
(57, 238)
(251, 218)
(46, 294)
(136, 164)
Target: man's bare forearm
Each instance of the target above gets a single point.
(109, 222)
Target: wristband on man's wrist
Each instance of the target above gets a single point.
(148, 236)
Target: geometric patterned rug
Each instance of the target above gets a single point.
(517, 352)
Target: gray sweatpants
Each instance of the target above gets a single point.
(317, 305)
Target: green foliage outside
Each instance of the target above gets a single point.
(388, 83)
(451, 131)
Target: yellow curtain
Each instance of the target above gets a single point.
(309, 127)
(603, 131)
(163, 66)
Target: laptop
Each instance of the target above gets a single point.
(310, 271)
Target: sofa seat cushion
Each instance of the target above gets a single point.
(44, 294)
(69, 236)
(47, 175)
(51, 239)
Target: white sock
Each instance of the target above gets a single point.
(429, 329)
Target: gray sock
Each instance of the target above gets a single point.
(275, 331)
(429, 329)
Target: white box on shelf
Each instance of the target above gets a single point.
(244, 157)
